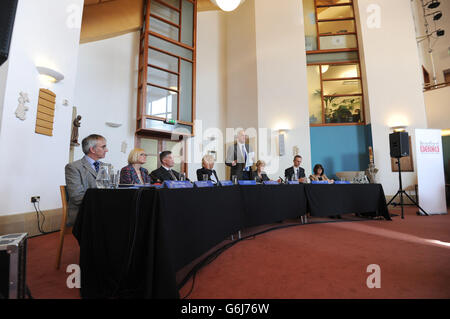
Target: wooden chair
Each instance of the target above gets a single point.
(64, 229)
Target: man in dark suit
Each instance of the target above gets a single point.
(296, 172)
(207, 169)
(240, 158)
(165, 172)
(82, 174)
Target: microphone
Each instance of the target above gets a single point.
(281, 179)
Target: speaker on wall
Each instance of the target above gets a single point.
(399, 144)
(7, 16)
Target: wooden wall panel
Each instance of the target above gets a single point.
(45, 112)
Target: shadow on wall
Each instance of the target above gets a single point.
(328, 166)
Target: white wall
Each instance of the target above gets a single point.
(281, 77)
(211, 85)
(242, 91)
(393, 77)
(106, 91)
(438, 108)
(33, 164)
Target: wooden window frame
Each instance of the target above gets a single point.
(350, 3)
(144, 64)
(161, 141)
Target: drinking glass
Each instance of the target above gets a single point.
(103, 177)
(183, 177)
(114, 179)
(205, 177)
(234, 179)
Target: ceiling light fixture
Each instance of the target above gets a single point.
(433, 4)
(436, 15)
(227, 5)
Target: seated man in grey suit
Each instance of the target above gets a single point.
(240, 158)
(296, 172)
(81, 174)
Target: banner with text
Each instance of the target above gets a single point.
(430, 171)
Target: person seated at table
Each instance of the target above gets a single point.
(207, 169)
(259, 175)
(134, 173)
(81, 175)
(295, 172)
(319, 174)
(165, 171)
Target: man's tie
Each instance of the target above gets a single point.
(173, 175)
(97, 166)
(245, 157)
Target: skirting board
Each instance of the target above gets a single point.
(27, 222)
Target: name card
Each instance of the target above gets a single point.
(226, 183)
(319, 182)
(178, 184)
(342, 182)
(204, 184)
(270, 183)
(247, 182)
(293, 182)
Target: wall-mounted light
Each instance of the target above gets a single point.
(399, 128)
(227, 5)
(445, 132)
(50, 74)
(281, 145)
(112, 124)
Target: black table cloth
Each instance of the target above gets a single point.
(133, 241)
(336, 199)
(265, 204)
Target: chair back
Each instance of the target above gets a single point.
(64, 200)
(62, 231)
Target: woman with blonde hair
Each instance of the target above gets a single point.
(134, 173)
(207, 170)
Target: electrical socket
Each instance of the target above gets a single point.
(35, 199)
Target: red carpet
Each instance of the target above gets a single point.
(309, 261)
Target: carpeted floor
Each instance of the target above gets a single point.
(322, 260)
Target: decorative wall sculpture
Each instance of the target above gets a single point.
(22, 108)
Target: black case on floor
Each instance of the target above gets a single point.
(13, 255)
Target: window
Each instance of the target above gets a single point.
(154, 146)
(166, 68)
(333, 70)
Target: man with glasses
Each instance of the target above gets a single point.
(82, 174)
(240, 158)
(134, 173)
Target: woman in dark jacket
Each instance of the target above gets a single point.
(134, 173)
(259, 175)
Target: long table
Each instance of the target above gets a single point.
(133, 241)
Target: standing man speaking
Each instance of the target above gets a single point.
(240, 157)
